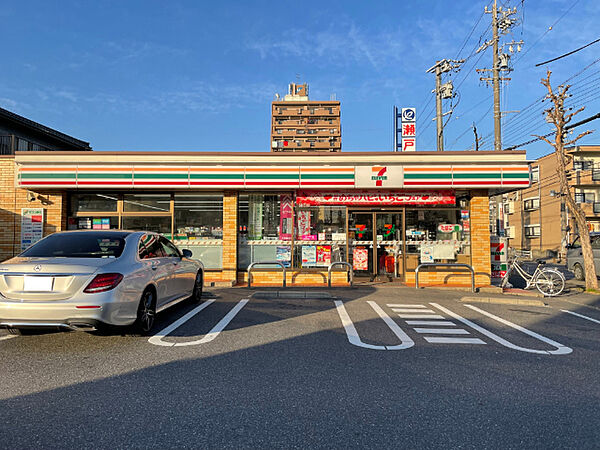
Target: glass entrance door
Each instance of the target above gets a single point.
(360, 244)
(376, 245)
(389, 245)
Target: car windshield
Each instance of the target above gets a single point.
(79, 245)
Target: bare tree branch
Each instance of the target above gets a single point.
(569, 116)
(573, 141)
(543, 138)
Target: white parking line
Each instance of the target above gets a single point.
(560, 349)
(453, 340)
(409, 311)
(354, 338)
(405, 305)
(444, 323)
(210, 336)
(10, 336)
(580, 315)
(441, 331)
(420, 316)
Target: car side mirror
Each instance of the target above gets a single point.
(186, 253)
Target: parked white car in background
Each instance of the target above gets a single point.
(85, 279)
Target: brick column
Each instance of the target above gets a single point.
(12, 199)
(229, 237)
(480, 237)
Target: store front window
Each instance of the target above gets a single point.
(264, 228)
(437, 235)
(90, 211)
(320, 236)
(147, 203)
(158, 224)
(198, 225)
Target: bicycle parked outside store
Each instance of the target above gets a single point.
(550, 282)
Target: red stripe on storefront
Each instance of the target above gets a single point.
(55, 183)
(282, 183)
(105, 183)
(425, 183)
(216, 183)
(478, 183)
(328, 183)
(161, 183)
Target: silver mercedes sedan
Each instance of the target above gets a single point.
(82, 280)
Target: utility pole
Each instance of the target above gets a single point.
(442, 91)
(496, 78)
(501, 24)
(476, 137)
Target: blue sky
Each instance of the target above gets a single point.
(199, 75)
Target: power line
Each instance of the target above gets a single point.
(567, 127)
(551, 27)
(567, 54)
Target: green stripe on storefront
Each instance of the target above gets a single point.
(427, 176)
(524, 175)
(477, 175)
(45, 175)
(260, 176)
(162, 176)
(101, 175)
(217, 176)
(343, 176)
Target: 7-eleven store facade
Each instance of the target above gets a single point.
(383, 213)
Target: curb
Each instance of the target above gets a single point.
(503, 301)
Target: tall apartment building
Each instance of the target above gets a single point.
(301, 125)
(537, 218)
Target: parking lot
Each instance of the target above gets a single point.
(362, 367)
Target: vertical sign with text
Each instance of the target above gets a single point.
(409, 129)
(32, 226)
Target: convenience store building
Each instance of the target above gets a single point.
(382, 212)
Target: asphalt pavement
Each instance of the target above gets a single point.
(355, 368)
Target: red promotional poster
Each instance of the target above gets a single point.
(323, 255)
(285, 217)
(360, 259)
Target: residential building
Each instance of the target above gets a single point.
(301, 125)
(18, 133)
(536, 218)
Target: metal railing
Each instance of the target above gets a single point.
(340, 263)
(278, 263)
(467, 266)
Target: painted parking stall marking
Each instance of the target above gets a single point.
(10, 336)
(581, 316)
(559, 348)
(354, 338)
(436, 328)
(157, 339)
(435, 324)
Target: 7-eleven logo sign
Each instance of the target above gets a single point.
(378, 175)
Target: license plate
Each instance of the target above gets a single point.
(37, 284)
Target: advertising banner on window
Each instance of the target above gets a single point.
(255, 217)
(323, 255)
(309, 255)
(374, 198)
(285, 217)
(360, 259)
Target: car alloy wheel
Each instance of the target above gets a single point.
(198, 286)
(146, 312)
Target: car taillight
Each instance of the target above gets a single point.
(103, 282)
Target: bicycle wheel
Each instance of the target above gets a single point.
(550, 282)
